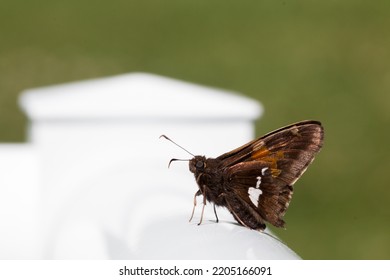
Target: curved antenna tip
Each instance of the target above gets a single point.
(176, 159)
(169, 164)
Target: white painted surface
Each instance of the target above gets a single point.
(20, 211)
(105, 190)
(136, 96)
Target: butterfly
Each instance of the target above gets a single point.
(255, 181)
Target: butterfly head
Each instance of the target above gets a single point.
(197, 164)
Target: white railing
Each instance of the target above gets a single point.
(93, 182)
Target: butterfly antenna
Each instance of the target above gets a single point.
(176, 159)
(176, 145)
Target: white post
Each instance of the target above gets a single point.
(19, 202)
(107, 192)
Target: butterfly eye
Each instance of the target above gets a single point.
(199, 164)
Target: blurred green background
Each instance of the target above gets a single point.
(324, 60)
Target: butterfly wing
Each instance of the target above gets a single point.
(260, 174)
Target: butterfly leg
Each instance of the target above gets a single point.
(216, 216)
(204, 204)
(193, 209)
(220, 196)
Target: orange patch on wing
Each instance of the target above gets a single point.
(261, 153)
(265, 155)
(275, 172)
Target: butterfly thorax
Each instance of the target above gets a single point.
(209, 177)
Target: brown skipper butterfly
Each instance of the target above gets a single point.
(255, 181)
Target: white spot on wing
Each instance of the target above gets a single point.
(263, 170)
(254, 195)
(258, 182)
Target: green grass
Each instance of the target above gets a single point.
(324, 60)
